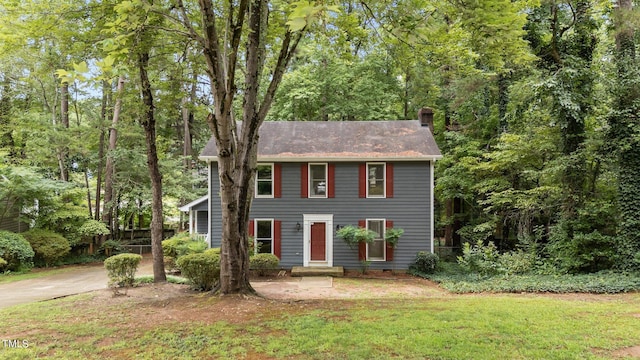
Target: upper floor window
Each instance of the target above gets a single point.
(376, 180)
(264, 180)
(318, 180)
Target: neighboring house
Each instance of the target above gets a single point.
(315, 177)
(198, 217)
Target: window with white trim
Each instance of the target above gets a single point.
(376, 249)
(376, 180)
(264, 181)
(263, 241)
(318, 180)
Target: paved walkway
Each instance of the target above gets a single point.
(84, 279)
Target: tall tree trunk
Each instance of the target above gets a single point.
(237, 150)
(149, 124)
(108, 213)
(64, 116)
(624, 124)
(106, 90)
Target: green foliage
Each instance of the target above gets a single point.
(3, 264)
(353, 235)
(425, 262)
(264, 263)
(92, 228)
(16, 251)
(583, 252)
(485, 260)
(517, 262)
(182, 244)
(202, 270)
(597, 283)
(49, 247)
(392, 235)
(170, 263)
(111, 247)
(480, 258)
(121, 269)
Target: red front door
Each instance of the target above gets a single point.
(318, 241)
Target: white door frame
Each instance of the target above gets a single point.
(308, 219)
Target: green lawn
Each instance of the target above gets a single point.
(195, 326)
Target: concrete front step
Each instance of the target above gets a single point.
(336, 271)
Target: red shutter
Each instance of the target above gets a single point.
(277, 180)
(251, 232)
(362, 180)
(331, 181)
(362, 247)
(389, 252)
(389, 180)
(277, 234)
(304, 180)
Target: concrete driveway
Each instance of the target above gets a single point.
(80, 280)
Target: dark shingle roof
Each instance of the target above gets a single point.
(341, 141)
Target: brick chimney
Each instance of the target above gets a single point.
(425, 115)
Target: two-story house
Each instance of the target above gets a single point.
(315, 177)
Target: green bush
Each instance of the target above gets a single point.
(425, 262)
(202, 270)
(49, 246)
(16, 251)
(170, 263)
(517, 262)
(3, 264)
(480, 258)
(264, 263)
(212, 251)
(121, 269)
(182, 244)
(583, 252)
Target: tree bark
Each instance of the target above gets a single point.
(64, 116)
(107, 213)
(237, 150)
(149, 124)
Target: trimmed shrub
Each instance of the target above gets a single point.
(121, 269)
(16, 251)
(202, 270)
(3, 263)
(212, 251)
(425, 262)
(49, 246)
(264, 263)
(182, 244)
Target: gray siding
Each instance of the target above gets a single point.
(409, 209)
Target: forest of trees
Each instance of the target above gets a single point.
(105, 105)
